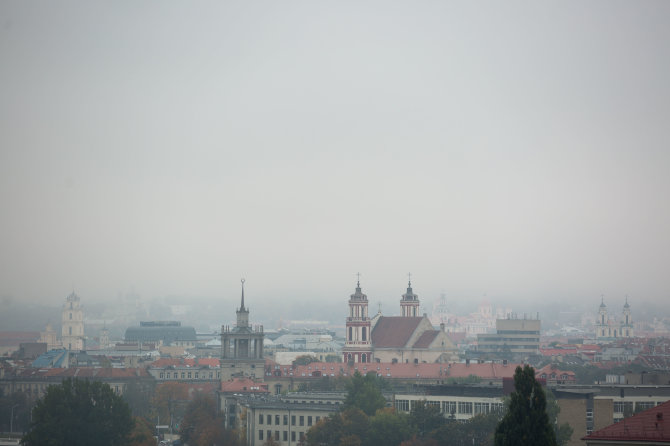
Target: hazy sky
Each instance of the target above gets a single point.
(514, 149)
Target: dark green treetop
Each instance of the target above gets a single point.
(526, 422)
(79, 413)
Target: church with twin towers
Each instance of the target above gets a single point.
(408, 338)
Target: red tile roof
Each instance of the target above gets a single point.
(426, 338)
(398, 371)
(243, 385)
(394, 331)
(652, 426)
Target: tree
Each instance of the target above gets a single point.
(79, 413)
(477, 430)
(389, 428)
(526, 421)
(142, 433)
(425, 417)
(169, 400)
(202, 426)
(364, 392)
(139, 394)
(305, 359)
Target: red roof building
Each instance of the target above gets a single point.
(651, 427)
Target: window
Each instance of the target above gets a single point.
(175, 375)
(269, 434)
(276, 435)
(481, 408)
(623, 407)
(269, 420)
(70, 330)
(285, 436)
(189, 375)
(309, 420)
(260, 419)
(162, 375)
(402, 405)
(464, 407)
(196, 375)
(302, 420)
(70, 316)
(277, 420)
(317, 419)
(644, 405)
(292, 420)
(285, 420)
(364, 336)
(183, 375)
(292, 435)
(260, 435)
(351, 334)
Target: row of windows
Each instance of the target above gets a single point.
(454, 407)
(284, 419)
(189, 375)
(268, 435)
(628, 406)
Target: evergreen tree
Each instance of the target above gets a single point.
(79, 413)
(526, 422)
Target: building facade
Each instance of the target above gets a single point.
(242, 348)
(513, 337)
(607, 328)
(406, 338)
(72, 331)
(358, 344)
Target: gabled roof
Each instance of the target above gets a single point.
(651, 426)
(426, 339)
(394, 331)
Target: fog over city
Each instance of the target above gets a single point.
(515, 152)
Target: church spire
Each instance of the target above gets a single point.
(242, 304)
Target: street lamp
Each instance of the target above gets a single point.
(11, 419)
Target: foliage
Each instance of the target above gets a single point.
(142, 433)
(389, 428)
(79, 413)
(364, 392)
(470, 379)
(476, 430)
(170, 399)
(425, 417)
(201, 426)
(348, 427)
(21, 412)
(139, 394)
(305, 359)
(526, 421)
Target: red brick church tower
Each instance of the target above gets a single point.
(358, 347)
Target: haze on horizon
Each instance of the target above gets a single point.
(515, 150)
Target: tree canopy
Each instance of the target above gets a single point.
(79, 413)
(364, 393)
(526, 421)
